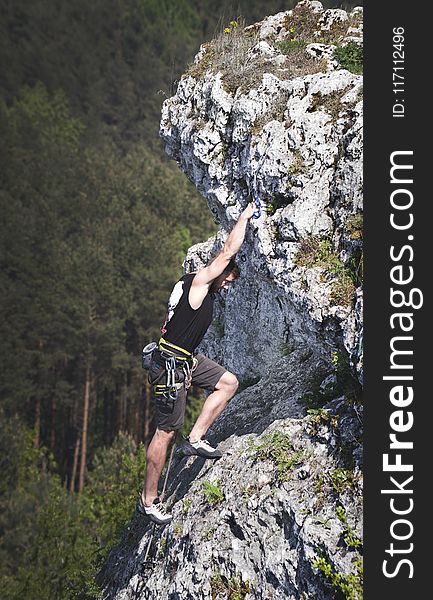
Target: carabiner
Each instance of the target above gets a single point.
(172, 393)
(258, 211)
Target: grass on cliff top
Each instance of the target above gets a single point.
(230, 52)
(350, 57)
(303, 26)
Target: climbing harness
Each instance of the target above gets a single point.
(174, 366)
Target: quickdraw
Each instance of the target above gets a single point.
(255, 193)
(256, 197)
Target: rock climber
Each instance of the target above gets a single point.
(176, 366)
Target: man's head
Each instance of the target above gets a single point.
(230, 274)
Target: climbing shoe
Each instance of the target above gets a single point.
(155, 511)
(200, 448)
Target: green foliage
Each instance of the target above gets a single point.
(318, 417)
(346, 382)
(186, 505)
(95, 224)
(317, 395)
(232, 589)
(37, 525)
(354, 226)
(110, 496)
(275, 202)
(208, 533)
(355, 266)
(342, 479)
(212, 492)
(278, 448)
(349, 585)
(287, 46)
(53, 542)
(95, 249)
(24, 487)
(48, 116)
(350, 57)
(316, 252)
(110, 58)
(352, 541)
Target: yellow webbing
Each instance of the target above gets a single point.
(163, 342)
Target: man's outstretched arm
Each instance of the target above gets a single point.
(232, 245)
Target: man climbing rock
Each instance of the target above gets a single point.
(175, 367)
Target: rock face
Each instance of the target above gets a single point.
(272, 111)
(297, 142)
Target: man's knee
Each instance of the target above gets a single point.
(228, 382)
(165, 436)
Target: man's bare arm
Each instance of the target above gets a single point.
(231, 247)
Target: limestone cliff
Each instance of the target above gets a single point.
(273, 109)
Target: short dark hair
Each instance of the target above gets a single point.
(232, 268)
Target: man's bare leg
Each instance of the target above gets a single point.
(155, 458)
(215, 403)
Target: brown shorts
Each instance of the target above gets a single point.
(169, 415)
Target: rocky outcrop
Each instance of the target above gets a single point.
(297, 142)
(272, 110)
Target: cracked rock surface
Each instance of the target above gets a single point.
(269, 515)
(284, 503)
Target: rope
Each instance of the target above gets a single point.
(149, 544)
(168, 467)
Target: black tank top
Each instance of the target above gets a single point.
(185, 326)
